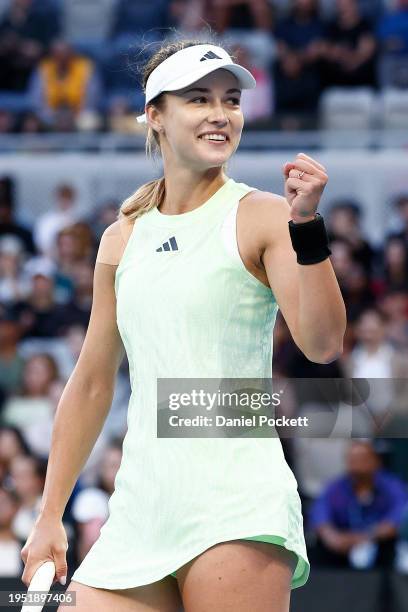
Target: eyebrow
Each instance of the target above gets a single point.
(203, 90)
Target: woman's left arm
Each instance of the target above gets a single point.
(308, 295)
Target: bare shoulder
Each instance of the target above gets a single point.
(265, 214)
(266, 203)
(113, 241)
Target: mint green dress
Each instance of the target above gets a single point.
(194, 312)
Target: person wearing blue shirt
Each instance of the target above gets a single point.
(357, 516)
(392, 30)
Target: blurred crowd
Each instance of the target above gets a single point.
(354, 493)
(67, 65)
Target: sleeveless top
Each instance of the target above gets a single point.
(187, 307)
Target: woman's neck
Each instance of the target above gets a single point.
(186, 190)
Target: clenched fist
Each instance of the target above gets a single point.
(305, 180)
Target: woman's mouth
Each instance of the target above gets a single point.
(214, 139)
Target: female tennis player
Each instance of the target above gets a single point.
(188, 281)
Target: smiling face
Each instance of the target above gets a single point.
(211, 105)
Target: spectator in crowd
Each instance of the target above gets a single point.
(39, 315)
(189, 16)
(90, 507)
(74, 244)
(297, 70)
(10, 548)
(370, 9)
(11, 362)
(342, 260)
(7, 121)
(393, 29)
(260, 105)
(401, 206)
(105, 213)
(357, 516)
(373, 355)
(240, 14)
(30, 123)
(8, 224)
(394, 273)
(134, 19)
(357, 292)
(121, 118)
(392, 33)
(36, 436)
(64, 213)
(14, 285)
(38, 433)
(25, 32)
(72, 342)
(350, 48)
(27, 477)
(64, 81)
(376, 359)
(282, 347)
(344, 222)
(33, 404)
(78, 309)
(12, 444)
(394, 305)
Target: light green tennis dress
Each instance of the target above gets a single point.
(188, 308)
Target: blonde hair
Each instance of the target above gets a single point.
(151, 194)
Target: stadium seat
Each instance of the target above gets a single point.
(352, 108)
(393, 70)
(344, 589)
(399, 589)
(346, 110)
(87, 20)
(394, 108)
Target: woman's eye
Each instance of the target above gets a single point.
(235, 101)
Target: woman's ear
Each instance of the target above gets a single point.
(152, 115)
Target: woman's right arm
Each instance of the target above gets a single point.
(87, 397)
(81, 413)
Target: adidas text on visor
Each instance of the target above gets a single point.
(188, 66)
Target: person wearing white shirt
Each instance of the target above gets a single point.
(65, 213)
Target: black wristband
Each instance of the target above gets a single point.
(310, 240)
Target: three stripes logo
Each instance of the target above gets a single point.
(169, 245)
(209, 55)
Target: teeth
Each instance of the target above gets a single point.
(214, 137)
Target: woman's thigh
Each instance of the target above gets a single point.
(238, 576)
(160, 596)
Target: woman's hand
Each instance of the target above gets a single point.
(46, 542)
(305, 180)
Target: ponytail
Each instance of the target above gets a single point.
(148, 196)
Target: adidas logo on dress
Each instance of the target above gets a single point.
(209, 55)
(169, 245)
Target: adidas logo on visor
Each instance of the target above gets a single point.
(209, 55)
(169, 245)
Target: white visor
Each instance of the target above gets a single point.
(188, 66)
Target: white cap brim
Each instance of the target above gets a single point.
(245, 79)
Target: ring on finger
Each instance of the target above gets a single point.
(301, 174)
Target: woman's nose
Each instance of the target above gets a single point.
(218, 114)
